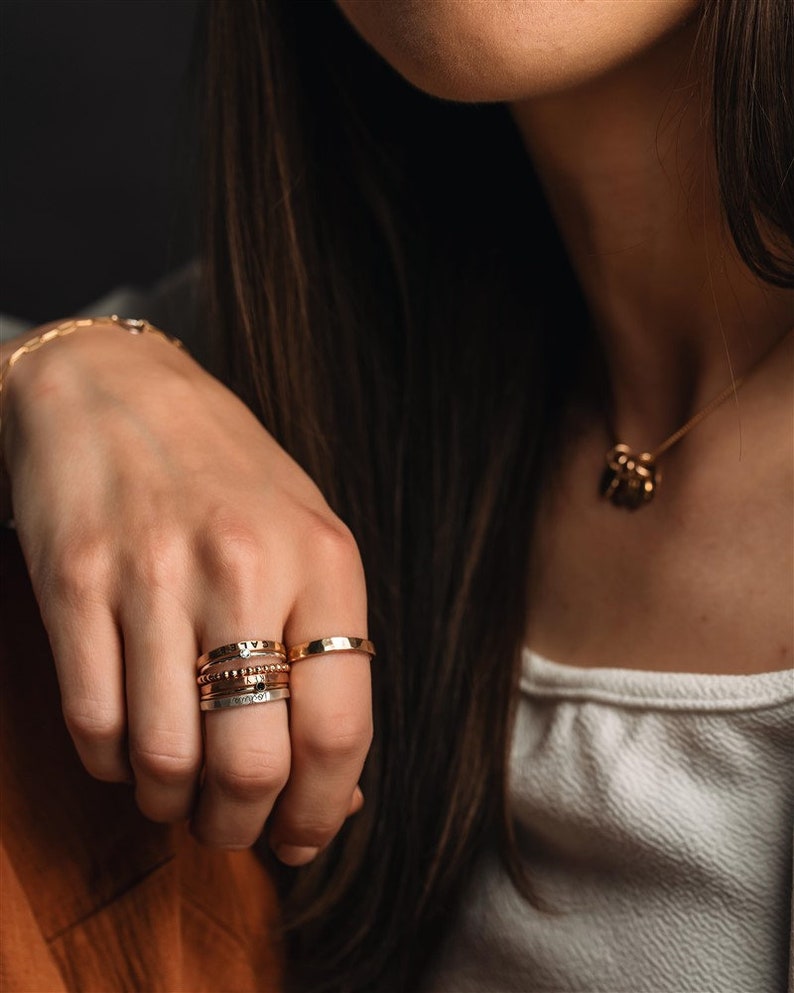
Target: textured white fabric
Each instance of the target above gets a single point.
(655, 815)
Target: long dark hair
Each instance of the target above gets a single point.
(393, 301)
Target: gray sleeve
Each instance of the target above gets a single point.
(173, 304)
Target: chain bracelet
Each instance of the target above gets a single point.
(133, 325)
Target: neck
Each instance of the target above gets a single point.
(628, 169)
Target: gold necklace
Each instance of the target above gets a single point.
(631, 479)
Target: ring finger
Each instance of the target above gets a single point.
(163, 726)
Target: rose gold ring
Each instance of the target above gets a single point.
(263, 681)
(241, 650)
(219, 675)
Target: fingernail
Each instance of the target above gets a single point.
(295, 855)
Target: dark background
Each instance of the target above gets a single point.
(97, 162)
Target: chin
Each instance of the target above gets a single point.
(505, 50)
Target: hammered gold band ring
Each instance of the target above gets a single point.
(322, 646)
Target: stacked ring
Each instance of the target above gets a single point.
(263, 677)
(262, 681)
(218, 703)
(240, 650)
(216, 675)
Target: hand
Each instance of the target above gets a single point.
(159, 520)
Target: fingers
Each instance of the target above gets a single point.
(330, 718)
(88, 658)
(247, 765)
(164, 726)
(302, 761)
(331, 732)
(247, 749)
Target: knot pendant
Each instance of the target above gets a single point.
(630, 479)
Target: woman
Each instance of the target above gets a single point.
(447, 334)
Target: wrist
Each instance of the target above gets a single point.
(37, 363)
(22, 347)
(50, 333)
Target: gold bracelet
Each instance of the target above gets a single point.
(133, 325)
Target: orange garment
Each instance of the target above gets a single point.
(94, 897)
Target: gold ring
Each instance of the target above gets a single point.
(220, 665)
(249, 670)
(263, 681)
(242, 650)
(257, 684)
(334, 644)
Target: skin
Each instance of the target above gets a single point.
(601, 95)
(506, 50)
(140, 560)
(607, 98)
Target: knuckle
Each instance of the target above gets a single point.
(165, 758)
(250, 782)
(107, 771)
(233, 551)
(91, 725)
(311, 829)
(233, 840)
(333, 544)
(80, 571)
(336, 739)
(153, 807)
(309, 836)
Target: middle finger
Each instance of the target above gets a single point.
(247, 749)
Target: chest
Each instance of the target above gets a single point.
(699, 580)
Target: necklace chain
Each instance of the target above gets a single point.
(631, 479)
(731, 390)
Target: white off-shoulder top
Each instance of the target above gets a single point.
(654, 812)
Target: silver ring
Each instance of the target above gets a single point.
(220, 703)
